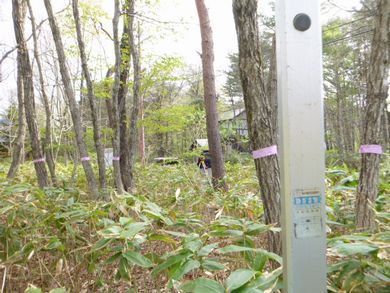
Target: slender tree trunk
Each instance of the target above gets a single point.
(115, 112)
(377, 91)
(135, 53)
(122, 95)
(386, 128)
(259, 109)
(48, 150)
(19, 13)
(82, 148)
(160, 142)
(110, 115)
(97, 134)
(17, 150)
(272, 84)
(142, 133)
(210, 97)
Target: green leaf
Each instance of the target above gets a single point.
(236, 248)
(202, 285)
(5, 209)
(248, 290)
(101, 244)
(58, 290)
(265, 281)
(17, 188)
(124, 220)
(344, 266)
(137, 258)
(211, 265)
(55, 243)
(193, 245)
(132, 229)
(355, 248)
(113, 258)
(172, 260)
(258, 262)
(206, 250)
(32, 289)
(174, 233)
(239, 278)
(164, 238)
(113, 230)
(185, 268)
(257, 228)
(123, 270)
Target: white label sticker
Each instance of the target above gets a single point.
(308, 222)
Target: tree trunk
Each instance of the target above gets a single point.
(135, 53)
(272, 84)
(17, 150)
(115, 112)
(47, 146)
(122, 95)
(82, 148)
(97, 134)
(377, 90)
(19, 13)
(142, 133)
(259, 109)
(210, 97)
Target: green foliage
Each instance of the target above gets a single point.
(360, 263)
(169, 119)
(103, 89)
(232, 87)
(163, 70)
(176, 232)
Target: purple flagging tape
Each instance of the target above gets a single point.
(41, 160)
(115, 158)
(85, 159)
(371, 149)
(265, 152)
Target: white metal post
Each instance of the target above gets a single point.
(302, 146)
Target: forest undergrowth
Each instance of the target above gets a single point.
(174, 233)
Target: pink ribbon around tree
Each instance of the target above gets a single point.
(85, 159)
(115, 158)
(265, 152)
(371, 149)
(41, 160)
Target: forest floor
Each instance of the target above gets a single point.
(174, 233)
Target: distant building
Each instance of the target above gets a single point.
(235, 120)
(200, 143)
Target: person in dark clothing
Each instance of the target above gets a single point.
(204, 161)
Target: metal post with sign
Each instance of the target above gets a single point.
(302, 146)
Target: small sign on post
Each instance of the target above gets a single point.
(302, 145)
(108, 156)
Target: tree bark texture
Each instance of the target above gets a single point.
(122, 95)
(272, 85)
(97, 133)
(19, 13)
(210, 97)
(115, 112)
(377, 91)
(259, 109)
(47, 145)
(17, 151)
(133, 135)
(69, 93)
